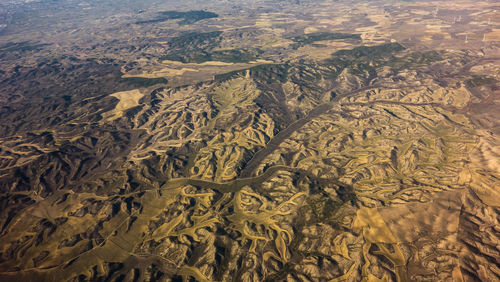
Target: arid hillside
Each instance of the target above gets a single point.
(262, 141)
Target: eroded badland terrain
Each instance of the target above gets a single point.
(249, 140)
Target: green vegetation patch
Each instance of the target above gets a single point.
(195, 41)
(479, 80)
(144, 82)
(302, 40)
(189, 17)
(197, 47)
(235, 55)
(192, 47)
(415, 59)
(266, 73)
(227, 56)
(20, 47)
(365, 59)
(368, 58)
(377, 51)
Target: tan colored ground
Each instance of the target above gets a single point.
(493, 35)
(127, 100)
